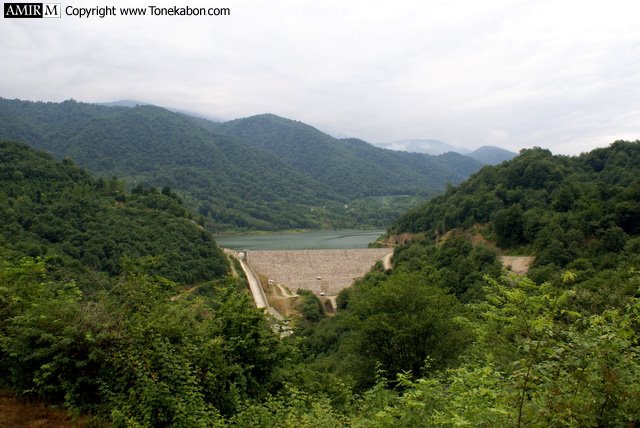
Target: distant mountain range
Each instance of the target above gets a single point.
(350, 167)
(432, 147)
(124, 103)
(261, 172)
(489, 155)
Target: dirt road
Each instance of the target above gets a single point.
(386, 261)
(254, 285)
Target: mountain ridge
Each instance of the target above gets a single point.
(343, 163)
(135, 103)
(264, 172)
(148, 144)
(421, 145)
(491, 155)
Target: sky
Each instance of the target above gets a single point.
(563, 75)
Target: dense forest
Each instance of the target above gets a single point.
(57, 210)
(94, 310)
(224, 180)
(237, 181)
(349, 166)
(448, 337)
(576, 213)
(451, 338)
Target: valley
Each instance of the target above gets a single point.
(337, 214)
(321, 262)
(511, 296)
(264, 172)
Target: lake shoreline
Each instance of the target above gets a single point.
(303, 240)
(284, 232)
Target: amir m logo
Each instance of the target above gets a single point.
(32, 10)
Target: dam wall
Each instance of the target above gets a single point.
(323, 272)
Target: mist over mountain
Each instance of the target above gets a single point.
(492, 155)
(123, 103)
(429, 146)
(134, 103)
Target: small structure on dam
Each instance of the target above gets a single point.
(323, 272)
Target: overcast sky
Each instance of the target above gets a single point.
(552, 73)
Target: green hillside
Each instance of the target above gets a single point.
(224, 179)
(566, 211)
(57, 210)
(95, 314)
(267, 173)
(447, 337)
(349, 166)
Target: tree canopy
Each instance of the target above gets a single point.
(57, 210)
(568, 212)
(117, 304)
(261, 173)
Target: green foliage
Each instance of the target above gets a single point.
(401, 323)
(56, 208)
(535, 362)
(553, 366)
(559, 208)
(248, 180)
(132, 354)
(405, 325)
(291, 409)
(309, 307)
(350, 166)
(508, 226)
(456, 265)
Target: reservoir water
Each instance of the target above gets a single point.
(318, 239)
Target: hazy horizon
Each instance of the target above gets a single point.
(564, 76)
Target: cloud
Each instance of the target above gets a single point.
(563, 75)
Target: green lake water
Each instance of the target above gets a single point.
(315, 240)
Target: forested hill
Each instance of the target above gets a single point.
(448, 337)
(444, 338)
(556, 208)
(57, 210)
(350, 166)
(224, 179)
(267, 173)
(94, 311)
(491, 155)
